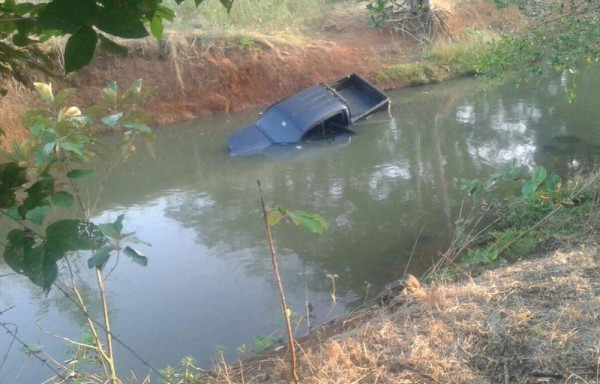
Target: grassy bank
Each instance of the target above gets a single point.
(441, 61)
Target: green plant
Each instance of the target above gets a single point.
(479, 257)
(310, 222)
(265, 342)
(24, 24)
(46, 172)
(380, 11)
(247, 42)
(563, 38)
(185, 373)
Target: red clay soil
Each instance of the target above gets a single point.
(226, 76)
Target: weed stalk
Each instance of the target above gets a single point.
(284, 307)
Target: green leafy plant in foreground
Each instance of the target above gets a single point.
(46, 173)
(310, 222)
(186, 373)
(526, 214)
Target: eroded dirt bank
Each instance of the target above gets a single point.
(197, 75)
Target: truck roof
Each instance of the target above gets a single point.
(288, 120)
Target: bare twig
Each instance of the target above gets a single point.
(26, 347)
(284, 307)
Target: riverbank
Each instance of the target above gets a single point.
(532, 322)
(197, 72)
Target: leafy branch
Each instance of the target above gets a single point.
(310, 222)
(44, 172)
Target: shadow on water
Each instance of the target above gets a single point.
(387, 192)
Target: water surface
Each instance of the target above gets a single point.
(390, 191)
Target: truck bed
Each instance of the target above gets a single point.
(362, 98)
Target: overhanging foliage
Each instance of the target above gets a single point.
(25, 24)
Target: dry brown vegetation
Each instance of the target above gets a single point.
(536, 321)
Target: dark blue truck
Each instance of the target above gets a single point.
(318, 112)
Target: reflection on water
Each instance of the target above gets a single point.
(394, 184)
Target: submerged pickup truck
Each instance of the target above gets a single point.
(319, 112)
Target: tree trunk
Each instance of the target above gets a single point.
(419, 6)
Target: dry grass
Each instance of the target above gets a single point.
(535, 321)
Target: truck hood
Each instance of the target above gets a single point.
(248, 141)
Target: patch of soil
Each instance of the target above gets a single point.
(195, 77)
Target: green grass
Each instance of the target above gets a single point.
(266, 16)
(441, 61)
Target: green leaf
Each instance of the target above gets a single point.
(539, 175)
(99, 258)
(474, 187)
(112, 120)
(156, 27)
(136, 86)
(12, 177)
(81, 173)
(26, 255)
(41, 155)
(528, 188)
(19, 243)
(63, 199)
(69, 146)
(553, 183)
(21, 40)
(120, 21)
(226, 3)
(9, 5)
(113, 87)
(275, 216)
(80, 48)
(37, 215)
(165, 13)
(109, 93)
(73, 235)
(136, 240)
(113, 230)
(109, 231)
(67, 15)
(37, 127)
(137, 126)
(110, 46)
(118, 224)
(136, 256)
(37, 195)
(310, 222)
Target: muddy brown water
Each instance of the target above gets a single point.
(389, 191)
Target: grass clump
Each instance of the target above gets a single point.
(463, 57)
(275, 16)
(415, 73)
(441, 61)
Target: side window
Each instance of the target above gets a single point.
(328, 128)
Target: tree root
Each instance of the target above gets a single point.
(424, 27)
